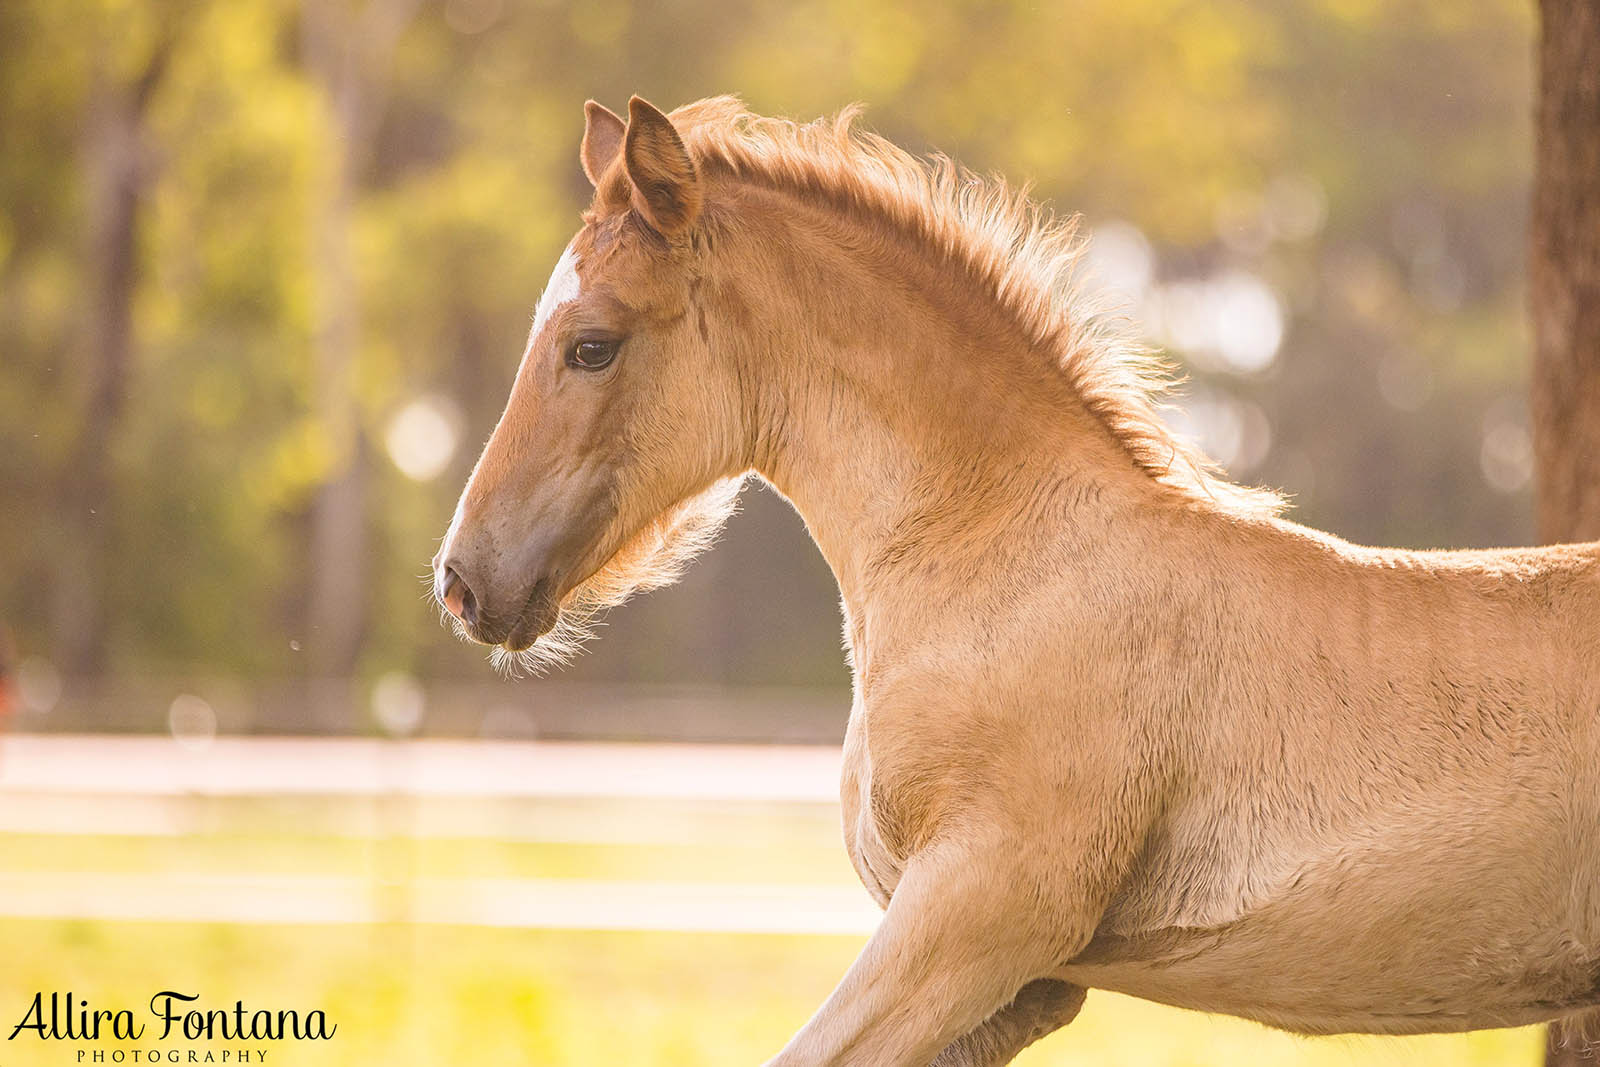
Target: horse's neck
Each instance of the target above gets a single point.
(912, 427)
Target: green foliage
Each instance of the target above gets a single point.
(1409, 120)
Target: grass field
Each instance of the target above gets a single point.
(414, 994)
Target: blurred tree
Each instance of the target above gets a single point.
(348, 53)
(1564, 272)
(118, 166)
(357, 200)
(1564, 301)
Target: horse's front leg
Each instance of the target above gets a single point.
(1043, 1006)
(966, 930)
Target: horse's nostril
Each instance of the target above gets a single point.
(457, 597)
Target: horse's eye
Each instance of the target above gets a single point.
(592, 355)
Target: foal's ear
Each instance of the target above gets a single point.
(666, 189)
(602, 139)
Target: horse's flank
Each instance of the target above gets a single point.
(1117, 723)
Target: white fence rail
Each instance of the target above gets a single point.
(238, 766)
(70, 786)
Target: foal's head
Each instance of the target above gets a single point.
(652, 377)
(611, 464)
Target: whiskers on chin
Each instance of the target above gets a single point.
(654, 557)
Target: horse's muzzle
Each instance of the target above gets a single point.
(518, 629)
(456, 596)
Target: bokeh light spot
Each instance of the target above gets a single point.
(1506, 455)
(398, 704)
(192, 721)
(1119, 259)
(38, 685)
(422, 438)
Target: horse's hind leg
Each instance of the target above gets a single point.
(1041, 1007)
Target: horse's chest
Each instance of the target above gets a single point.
(874, 862)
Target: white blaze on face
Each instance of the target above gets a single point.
(562, 289)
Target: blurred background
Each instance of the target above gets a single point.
(266, 267)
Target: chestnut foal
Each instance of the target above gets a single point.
(1116, 723)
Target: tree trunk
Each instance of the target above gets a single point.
(337, 597)
(1564, 272)
(117, 173)
(1564, 303)
(347, 53)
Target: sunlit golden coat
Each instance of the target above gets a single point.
(1116, 723)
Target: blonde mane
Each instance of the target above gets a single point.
(1008, 244)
